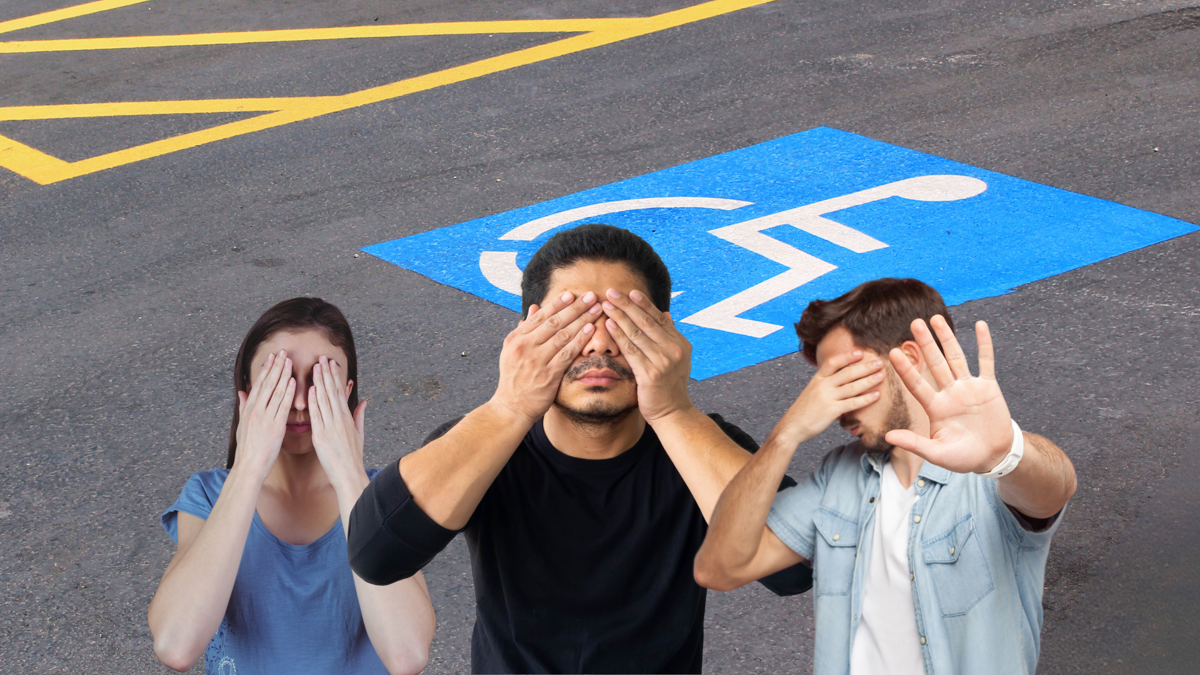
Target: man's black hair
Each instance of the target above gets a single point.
(603, 243)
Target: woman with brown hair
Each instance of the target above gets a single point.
(260, 581)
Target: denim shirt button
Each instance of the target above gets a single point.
(916, 519)
(922, 639)
(951, 550)
(921, 483)
(836, 537)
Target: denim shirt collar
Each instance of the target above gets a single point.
(874, 461)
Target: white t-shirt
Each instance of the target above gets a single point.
(886, 640)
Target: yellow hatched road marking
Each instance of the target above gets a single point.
(44, 169)
(307, 34)
(66, 13)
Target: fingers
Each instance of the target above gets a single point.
(857, 402)
(241, 396)
(642, 314)
(360, 417)
(933, 356)
(548, 321)
(911, 377)
(628, 347)
(839, 361)
(987, 359)
(856, 371)
(257, 387)
(278, 381)
(566, 356)
(950, 347)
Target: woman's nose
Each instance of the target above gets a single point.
(300, 402)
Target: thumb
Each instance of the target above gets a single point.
(906, 439)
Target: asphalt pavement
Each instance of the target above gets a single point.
(127, 283)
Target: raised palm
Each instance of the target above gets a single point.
(970, 429)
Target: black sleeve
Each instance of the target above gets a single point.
(797, 578)
(390, 537)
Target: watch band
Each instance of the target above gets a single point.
(1010, 461)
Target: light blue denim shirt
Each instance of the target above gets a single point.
(977, 570)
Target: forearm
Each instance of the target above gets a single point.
(1042, 482)
(194, 592)
(448, 477)
(705, 456)
(738, 526)
(400, 622)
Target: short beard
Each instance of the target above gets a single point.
(596, 417)
(897, 418)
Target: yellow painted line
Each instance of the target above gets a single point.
(309, 34)
(35, 165)
(125, 108)
(65, 13)
(45, 169)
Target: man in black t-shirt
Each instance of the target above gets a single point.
(583, 486)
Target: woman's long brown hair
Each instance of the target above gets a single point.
(292, 316)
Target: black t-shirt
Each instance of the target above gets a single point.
(579, 565)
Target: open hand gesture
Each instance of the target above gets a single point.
(658, 354)
(538, 352)
(263, 414)
(970, 429)
(337, 435)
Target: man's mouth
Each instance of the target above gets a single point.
(598, 378)
(851, 427)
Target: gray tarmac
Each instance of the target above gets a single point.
(126, 292)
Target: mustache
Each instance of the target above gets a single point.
(601, 361)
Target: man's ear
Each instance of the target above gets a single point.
(912, 352)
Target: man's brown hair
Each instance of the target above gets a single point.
(878, 314)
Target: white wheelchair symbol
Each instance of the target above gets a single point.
(500, 267)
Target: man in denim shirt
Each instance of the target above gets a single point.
(929, 534)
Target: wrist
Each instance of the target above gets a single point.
(680, 415)
(509, 414)
(1008, 463)
(350, 486)
(248, 467)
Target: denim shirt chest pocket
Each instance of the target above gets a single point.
(836, 546)
(957, 565)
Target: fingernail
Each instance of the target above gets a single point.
(613, 293)
(877, 363)
(609, 305)
(636, 296)
(595, 309)
(878, 376)
(565, 297)
(589, 297)
(588, 328)
(857, 352)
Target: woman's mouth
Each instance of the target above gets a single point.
(299, 427)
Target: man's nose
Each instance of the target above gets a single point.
(601, 342)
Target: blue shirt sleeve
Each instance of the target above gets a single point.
(1017, 533)
(198, 496)
(791, 515)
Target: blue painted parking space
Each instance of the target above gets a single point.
(751, 236)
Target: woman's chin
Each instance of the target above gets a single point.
(297, 446)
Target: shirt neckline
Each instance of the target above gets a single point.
(542, 444)
(288, 546)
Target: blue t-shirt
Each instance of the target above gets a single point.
(293, 609)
